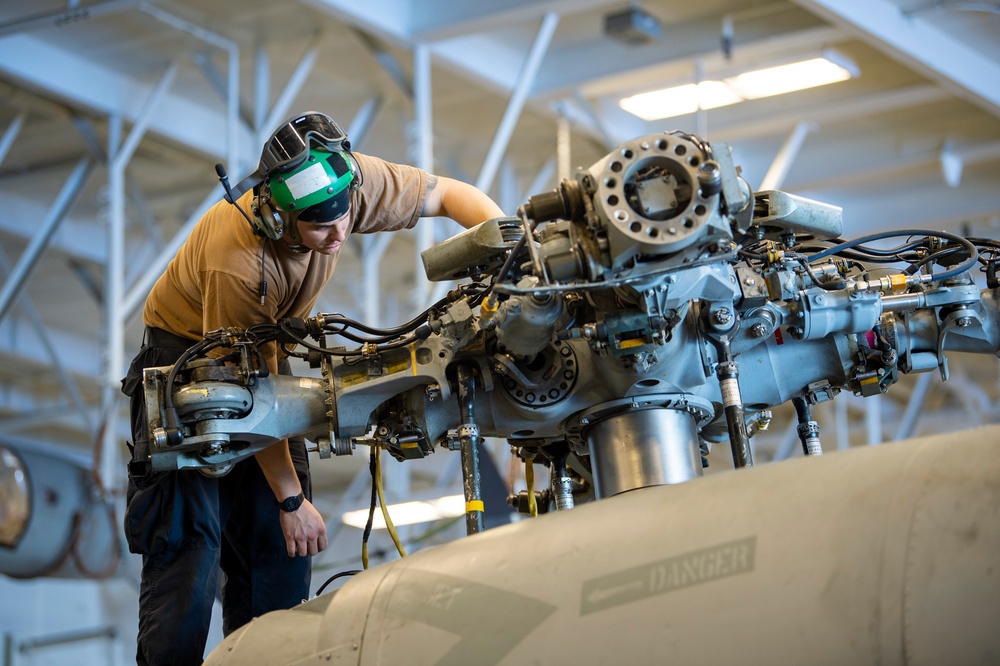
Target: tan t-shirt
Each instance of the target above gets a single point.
(214, 281)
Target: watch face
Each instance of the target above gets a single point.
(292, 503)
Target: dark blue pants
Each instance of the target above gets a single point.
(198, 535)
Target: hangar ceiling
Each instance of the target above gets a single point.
(113, 114)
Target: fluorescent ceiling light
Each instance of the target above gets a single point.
(681, 100)
(409, 513)
(787, 78)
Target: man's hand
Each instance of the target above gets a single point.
(304, 530)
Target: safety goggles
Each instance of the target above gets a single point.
(289, 145)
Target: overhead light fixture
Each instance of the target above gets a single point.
(711, 94)
(680, 100)
(788, 78)
(409, 513)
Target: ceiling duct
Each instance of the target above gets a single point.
(632, 26)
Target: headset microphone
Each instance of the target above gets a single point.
(224, 179)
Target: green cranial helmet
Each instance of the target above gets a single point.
(318, 189)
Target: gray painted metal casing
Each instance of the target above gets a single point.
(880, 555)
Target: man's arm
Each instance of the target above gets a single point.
(228, 302)
(304, 529)
(460, 201)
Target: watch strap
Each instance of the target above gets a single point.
(290, 504)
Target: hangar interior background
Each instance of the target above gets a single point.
(113, 114)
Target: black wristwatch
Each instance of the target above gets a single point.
(290, 504)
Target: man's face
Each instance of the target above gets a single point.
(325, 237)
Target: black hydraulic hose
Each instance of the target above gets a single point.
(957, 270)
(516, 250)
(739, 439)
(888, 252)
(361, 339)
(334, 577)
(383, 332)
(371, 507)
(929, 259)
(402, 342)
(170, 418)
(859, 256)
(828, 286)
(469, 448)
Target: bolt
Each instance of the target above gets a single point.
(722, 316)
(759, 330)
(964, 322)
(820, 299)
(749, 282)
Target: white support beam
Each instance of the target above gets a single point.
(80, 356)
(10, 134)
(919, 44)
(518, 97)
(890, 167)
(232, 87)
(280, 110)
(362, 123)
(200, 126)
(907, 425)
(437, 20)
(77, 238)
(136, 295)
(72, 13)
(423, 109)
(40, 241)
(830, 112)
(66, 379)
(782, 164)
(545, 175)
(373, 247)
(386, 18)
(388, 62)
(115, 316)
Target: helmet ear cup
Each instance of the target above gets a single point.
(267, 219)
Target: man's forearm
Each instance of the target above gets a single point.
(466, 204)
(276, 463)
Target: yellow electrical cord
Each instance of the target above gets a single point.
(385, 511)
(529, 480)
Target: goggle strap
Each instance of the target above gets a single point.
(247, 184)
